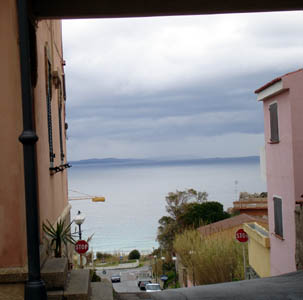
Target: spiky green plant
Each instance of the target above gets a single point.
(59, 234)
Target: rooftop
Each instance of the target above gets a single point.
(230, 223)
(264, 87)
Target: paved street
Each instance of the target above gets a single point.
(128, 282)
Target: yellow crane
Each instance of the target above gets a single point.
(86, 197)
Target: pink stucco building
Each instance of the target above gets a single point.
(283, 111)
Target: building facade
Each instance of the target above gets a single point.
(283, 109)
(48, 87)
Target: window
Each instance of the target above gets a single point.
(274, 130)
(278, 216)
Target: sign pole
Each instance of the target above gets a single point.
(244, 261)
(242, 237)
(81, 262)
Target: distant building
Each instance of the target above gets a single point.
(251, 204)
(283, 111)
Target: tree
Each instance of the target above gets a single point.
(175, 201)
(134, 254)
(188, 208)
(166, 232)
(198, 214)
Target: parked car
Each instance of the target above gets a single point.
(142, 284)
(116, 278)
(152, 287)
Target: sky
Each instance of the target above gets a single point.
(174, 87)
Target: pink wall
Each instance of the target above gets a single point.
(284, 162)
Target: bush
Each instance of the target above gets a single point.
(212, 260)
(103, 256)
(95, 277)
(134, 254)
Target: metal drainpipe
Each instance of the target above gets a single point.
(34, 287)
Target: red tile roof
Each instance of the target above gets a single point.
(230, 223)
(262, 88)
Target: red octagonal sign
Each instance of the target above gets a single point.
(241, 236)
(81, 246)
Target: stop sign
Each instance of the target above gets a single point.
(81, 246)
(241, 236)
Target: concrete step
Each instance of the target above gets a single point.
(101, 290)
(55, 295)
(54, 273)
(78, 285)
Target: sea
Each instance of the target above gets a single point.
(135, 194)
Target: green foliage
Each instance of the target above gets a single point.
(175, 201)
(198, 214)
(58, 234)
(186, 209)
(212, 260)
(95, 277)
(103, 255)
(134, 254)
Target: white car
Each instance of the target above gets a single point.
(152, 287)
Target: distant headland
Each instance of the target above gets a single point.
(120, 162)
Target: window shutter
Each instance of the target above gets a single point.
(60, 128)
(278, 216)
(274, 130)
(48, 71)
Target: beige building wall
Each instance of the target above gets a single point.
(12, 205)
(52, 188)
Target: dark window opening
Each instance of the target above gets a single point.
(274, 129)
(278, 216)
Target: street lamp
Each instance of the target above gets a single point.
(175, 260)
(79, 219)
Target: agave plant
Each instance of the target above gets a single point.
(59, 234)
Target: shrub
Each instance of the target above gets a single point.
(103, 256)
(134, 254)
(95, 277)
(211, 260)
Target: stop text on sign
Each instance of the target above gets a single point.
(81, 246)
(241, 236)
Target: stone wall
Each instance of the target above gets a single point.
(299, 236)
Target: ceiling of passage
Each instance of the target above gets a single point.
(141, 8)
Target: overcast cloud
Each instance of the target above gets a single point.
(174, 86)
